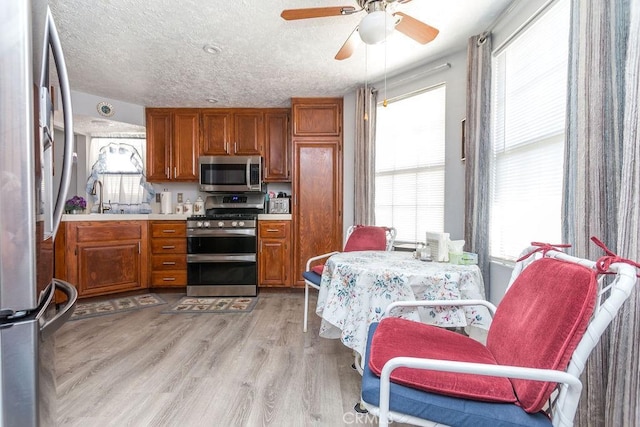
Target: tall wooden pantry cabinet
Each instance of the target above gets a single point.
(317, 179)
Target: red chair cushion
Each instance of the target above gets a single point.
(400, 337)
(367, 238)
(540, 321)
(318, 269)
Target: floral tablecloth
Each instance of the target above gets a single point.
(356, 288)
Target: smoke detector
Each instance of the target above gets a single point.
(105, 109)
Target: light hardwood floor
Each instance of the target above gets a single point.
(147, 368)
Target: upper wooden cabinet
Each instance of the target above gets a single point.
(177, 136)
(314, 117)
(277, 147)
(173, 136)
(232, 132)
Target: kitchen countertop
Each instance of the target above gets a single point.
(152, 216)
(275, 217)
(123, 217)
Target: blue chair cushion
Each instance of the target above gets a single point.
(313, 277)
(445, 409)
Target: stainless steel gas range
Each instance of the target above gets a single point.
(222, 246)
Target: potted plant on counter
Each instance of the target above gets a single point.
(75, 205)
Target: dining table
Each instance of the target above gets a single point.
(356, 288)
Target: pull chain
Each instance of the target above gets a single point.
(384, 102)
(366, 60)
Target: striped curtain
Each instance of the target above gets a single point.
(623, 382)
(478, 151)
(365, 157)
(601, 188)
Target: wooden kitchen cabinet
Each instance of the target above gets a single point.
(317, 181)
(236, 131)
(274, 253)
(168, 254)
(103, 257)
(316, 117)
(277, 146)
(173, 140)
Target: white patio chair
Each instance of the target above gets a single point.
(550, 319)
(358, 238)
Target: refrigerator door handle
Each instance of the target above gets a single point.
(65, 96)
(65, 312)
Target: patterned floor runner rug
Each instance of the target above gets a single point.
(214, 305)
(117, 305)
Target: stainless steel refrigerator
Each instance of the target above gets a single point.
(29, 213)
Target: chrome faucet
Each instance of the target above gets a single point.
(101, 207)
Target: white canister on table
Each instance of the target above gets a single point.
(179, 209)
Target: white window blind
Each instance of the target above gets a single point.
(410, 140)
(528, 127)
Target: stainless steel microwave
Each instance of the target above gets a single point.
(219, 174)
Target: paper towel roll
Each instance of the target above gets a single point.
(165, 202)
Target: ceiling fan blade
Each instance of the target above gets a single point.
(349, 46)
(417, 30)
(316, 12)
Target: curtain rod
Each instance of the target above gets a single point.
(522, 27)
(414, 76)
(502, 16)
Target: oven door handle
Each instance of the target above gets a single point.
(221, 232)
(220, 258)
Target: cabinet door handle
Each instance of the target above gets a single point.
(168, 175)
(235, 147)
(168, 263)
(168, 231)
(272, 230)
(139, 251)
(169, 247)
(175, 172)
(168, 279)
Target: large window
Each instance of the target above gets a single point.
(410, 164)
(118, 163)
(528, 128)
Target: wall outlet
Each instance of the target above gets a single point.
(179, 197)
(157, 197)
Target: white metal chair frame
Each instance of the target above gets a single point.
(565, 404)
(391, 236)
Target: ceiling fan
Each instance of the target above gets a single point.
(379, 22)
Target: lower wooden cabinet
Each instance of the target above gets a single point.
(274, 253)
(103, 257)
(168, 254)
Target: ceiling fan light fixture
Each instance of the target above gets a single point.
(376, 27)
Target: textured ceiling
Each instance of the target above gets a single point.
(150, 53)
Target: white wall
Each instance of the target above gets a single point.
(409, 81)
(85, 104)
